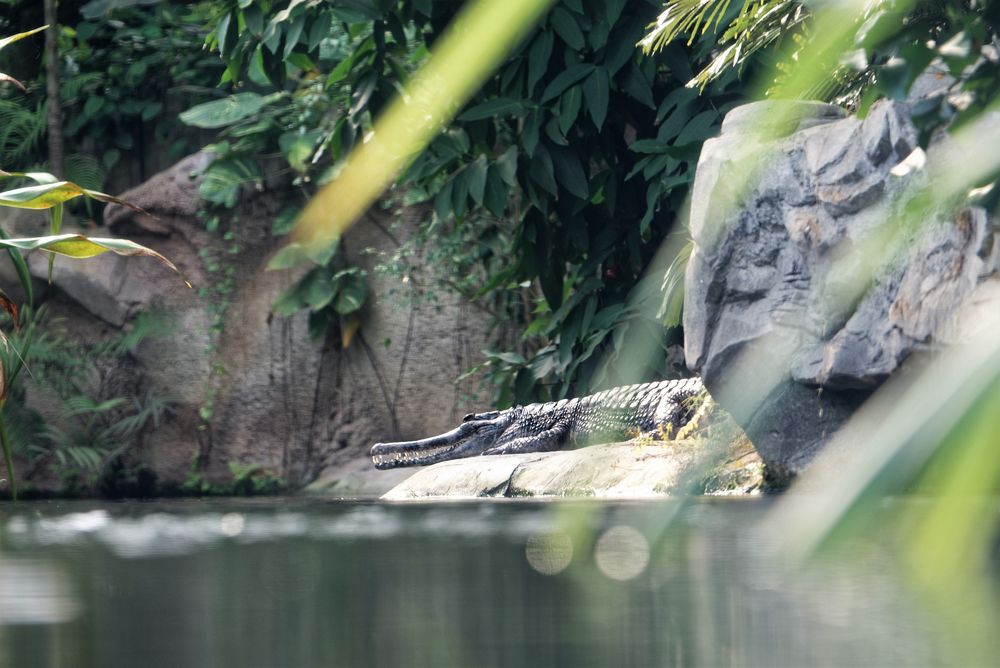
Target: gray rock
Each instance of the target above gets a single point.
(805, 291)
(616, 470)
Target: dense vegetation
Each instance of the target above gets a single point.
(549, 194)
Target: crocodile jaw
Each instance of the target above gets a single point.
(470, 439)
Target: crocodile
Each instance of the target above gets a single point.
(656, 409)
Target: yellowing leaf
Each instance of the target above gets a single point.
(79, 246)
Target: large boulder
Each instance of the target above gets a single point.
(810, 282)
(252, 390)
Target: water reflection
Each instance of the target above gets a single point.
(293, 583)
(35, 592)
(621, 553)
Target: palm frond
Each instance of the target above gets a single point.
(758, 24)
(684, 17)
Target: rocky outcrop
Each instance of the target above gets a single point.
(252, 390)
(615, 470)
(813, 279)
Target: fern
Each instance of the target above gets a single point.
(84, 170)
(21, 132)
(76, 88)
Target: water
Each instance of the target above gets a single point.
(287, 582)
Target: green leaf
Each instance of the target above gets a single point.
(596, 89)
(637, 86)
(477, 179)
(495, 195)
(220, 113)
(566, 27)
(529, 136)
(570, 172)
(287, 257)
(538, 58)
(698, 128)
(542, 170)
(93, 105)
(317, 289)
(298, 147)
(565, 79)
(506, 166)
(649, 146)
(293, 33)
(284, 222)
(352, 291)
(319, 29)
(500, 106)
(569, 108)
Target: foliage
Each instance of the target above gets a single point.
(548, 195)
(50, 194)
(125, 70)
(247, 480)
(95, 425)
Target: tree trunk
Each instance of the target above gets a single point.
(54, 103)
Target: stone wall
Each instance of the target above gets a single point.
(291, 406)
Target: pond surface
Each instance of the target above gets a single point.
(292, 582)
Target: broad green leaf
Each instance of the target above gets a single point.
(698, 128)
(570, 173)
(352, 291)
(565, 79)
(317, 289)
(285, 220)
(637, 86)
(596, 89)
(220, 113)
(477, 179)
(495, 194)
(569, 108)
(500, 106)
(648, 146)
(566, 27)
(542, 171)
(538, 58)
(298, 147)
(506, 165)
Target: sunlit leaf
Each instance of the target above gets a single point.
(19, 36)
(79, 246)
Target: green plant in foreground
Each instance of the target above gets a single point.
(49, 193)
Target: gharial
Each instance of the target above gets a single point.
(621, 412)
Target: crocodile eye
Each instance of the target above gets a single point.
(469, 416)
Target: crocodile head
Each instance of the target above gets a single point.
(477, 433)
